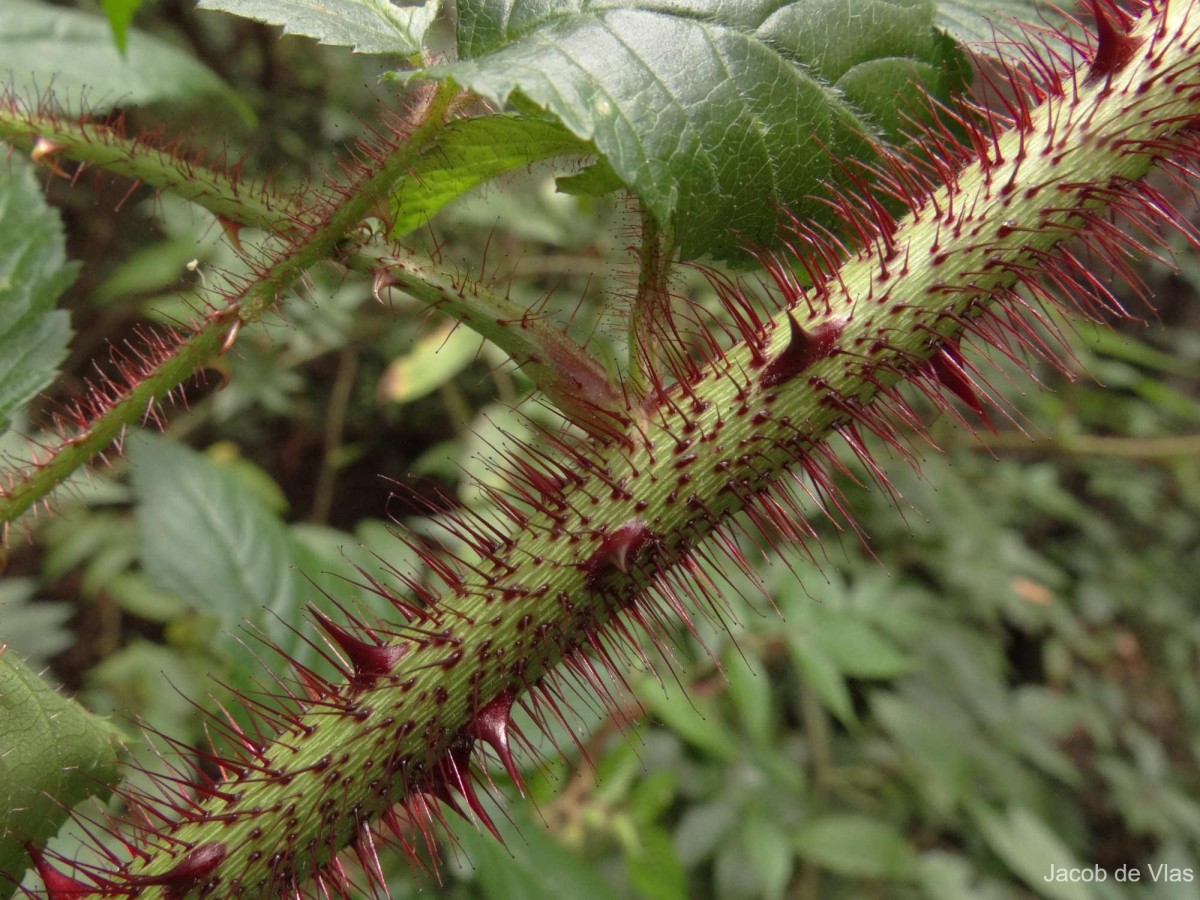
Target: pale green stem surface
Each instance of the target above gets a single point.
(508, 634)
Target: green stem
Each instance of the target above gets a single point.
(570, 377)
(52, 137)
(323, 239)
(702, 454)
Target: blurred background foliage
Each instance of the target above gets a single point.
(1000, 675)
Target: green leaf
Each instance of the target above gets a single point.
(537, 868)
(468, 153)
(766, 843)
(433, 361)
(856, 846)
(209, 539)
(858, 649)
(1029, 848)
(980, 22)
(750, 689)
(693, 718)
(53, 754)
(369, 26)
(820, 674)
(654, 869)
(120, 15)
(33, 273)
(34, 630)
(717, 114)
(72, 53)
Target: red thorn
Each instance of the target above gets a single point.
(59, 886)
(490, 724)
(232, 231)
(189, 873)
(617, 550)
(1115, 47)
(947, 366)
(370, 661)
(456, 772)
(804, 348)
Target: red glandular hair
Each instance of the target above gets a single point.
(601, 536)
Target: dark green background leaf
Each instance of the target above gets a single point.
(73, 54)
(210, 539)
(33, 272)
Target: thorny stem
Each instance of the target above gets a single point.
(547, 587)
(53, 137)
(568, 375)
(106, 431)
(246, 305)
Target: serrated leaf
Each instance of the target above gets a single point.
(468, 153)
(717, 114)
(368, 26)
(209, 539)
(33, 273)
(50, 747)
(72, 53)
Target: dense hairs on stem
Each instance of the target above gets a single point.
(606, 535)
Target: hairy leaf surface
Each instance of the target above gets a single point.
(49, 747)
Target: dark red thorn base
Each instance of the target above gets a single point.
(188, 874)
(62, 887)
(803, 349)
(370, 661)
(947, 366)
(618, 550)
(1114, 45)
